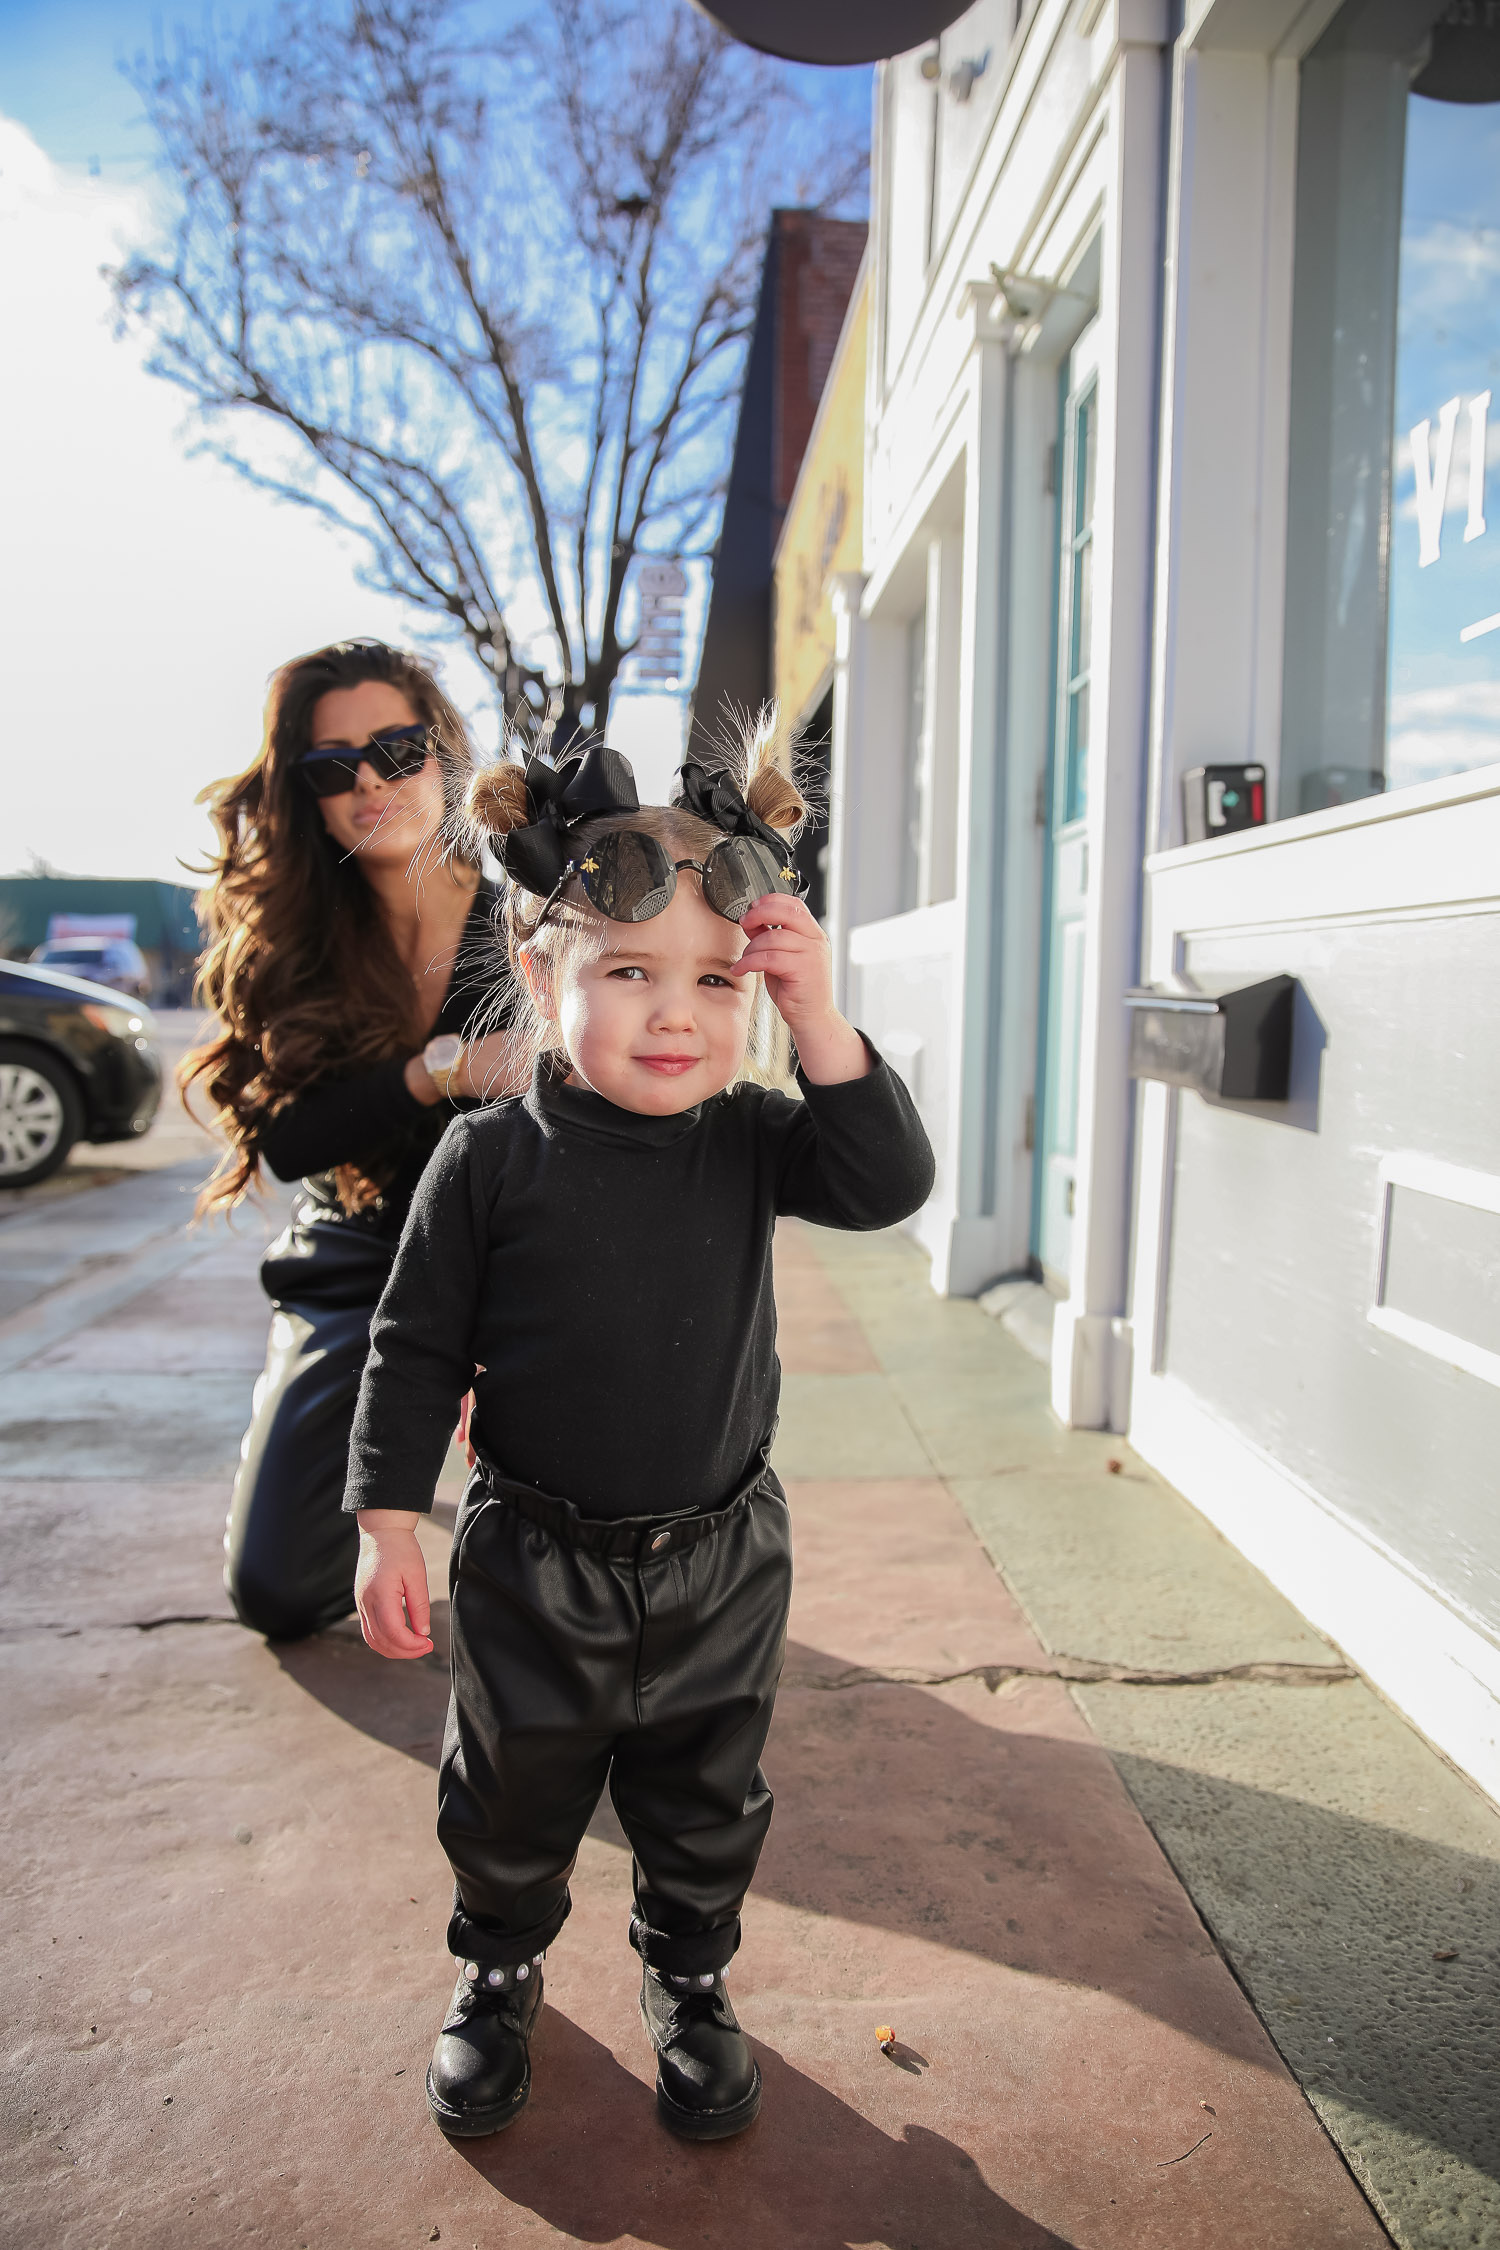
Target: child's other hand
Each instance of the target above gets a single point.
(790, 951)
(390, 1584)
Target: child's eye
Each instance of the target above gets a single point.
(727, 983)
(629, 969)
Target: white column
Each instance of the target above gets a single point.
(1091, 1337)
(966, 1258)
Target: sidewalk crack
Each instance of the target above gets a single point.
(1084, 1670)
(65, 1631)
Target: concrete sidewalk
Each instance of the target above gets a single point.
(225, 1909)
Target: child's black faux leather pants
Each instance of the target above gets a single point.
(644, 1653)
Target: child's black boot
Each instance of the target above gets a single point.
(481, 2066)
(707, 2080)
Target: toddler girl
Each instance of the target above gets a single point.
(595, 1262)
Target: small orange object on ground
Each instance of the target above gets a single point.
(886, 2037)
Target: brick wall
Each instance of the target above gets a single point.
(818, 260)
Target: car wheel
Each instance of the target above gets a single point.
(41, 1115)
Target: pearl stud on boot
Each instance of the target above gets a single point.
(481, 2066)
(707, 2080)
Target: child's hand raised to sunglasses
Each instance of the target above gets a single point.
(789, 950)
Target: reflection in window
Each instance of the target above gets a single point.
(1392, 649)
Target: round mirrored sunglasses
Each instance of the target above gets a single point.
(632, 877)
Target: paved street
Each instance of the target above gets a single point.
(225, 1905)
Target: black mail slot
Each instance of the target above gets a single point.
(1231, 1040)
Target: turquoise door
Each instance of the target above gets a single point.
(1067, 850)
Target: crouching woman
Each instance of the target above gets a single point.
(348, 947)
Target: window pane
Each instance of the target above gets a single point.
(1444, 709)
(1076, 794)
(1083, 611)
(1078, 559)
(1395, 343)
(1084, 438)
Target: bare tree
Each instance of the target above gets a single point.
(497, 286)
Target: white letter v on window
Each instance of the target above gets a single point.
(1432, 481)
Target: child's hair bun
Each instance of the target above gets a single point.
(774, 797)
(770, 790)
(496, 801)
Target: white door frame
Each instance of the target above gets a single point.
(1065, 846)
(1090, 1337)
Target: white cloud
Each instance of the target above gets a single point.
(1447, 266)
(1466, 703)
(1443, 730)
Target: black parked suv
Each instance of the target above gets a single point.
(76, 1064)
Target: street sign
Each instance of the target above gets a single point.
(658, 649)
(832, 31)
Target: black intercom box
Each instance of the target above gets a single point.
(1234, 1040)
(1218, 799)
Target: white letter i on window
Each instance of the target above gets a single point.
(1479, 415)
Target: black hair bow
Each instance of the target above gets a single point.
(715, 798)
(558, 798)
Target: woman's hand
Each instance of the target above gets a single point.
(390, 1584)
(790, 951)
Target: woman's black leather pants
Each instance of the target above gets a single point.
(289, 1550)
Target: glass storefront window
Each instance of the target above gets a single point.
(1443, 713)
(1392, 669)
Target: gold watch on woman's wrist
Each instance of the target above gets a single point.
(441, 1058)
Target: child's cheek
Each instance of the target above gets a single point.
(737, 1019)
(577, 1020)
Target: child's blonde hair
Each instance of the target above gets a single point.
(751, 752)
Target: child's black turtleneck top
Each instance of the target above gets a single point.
(603, 1281)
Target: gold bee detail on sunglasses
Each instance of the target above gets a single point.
(589, 867)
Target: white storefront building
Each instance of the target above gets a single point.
(1181, 343)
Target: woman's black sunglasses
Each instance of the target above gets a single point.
(395, 755)
(632, 877)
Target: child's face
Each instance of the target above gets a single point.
(657, 1022)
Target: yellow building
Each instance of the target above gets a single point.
(821, 536)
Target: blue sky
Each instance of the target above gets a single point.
(58, 77)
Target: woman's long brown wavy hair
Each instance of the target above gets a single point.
(300, 968)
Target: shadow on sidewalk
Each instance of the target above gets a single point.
(401, 1705)
(898, 1810)
(811, 2172)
